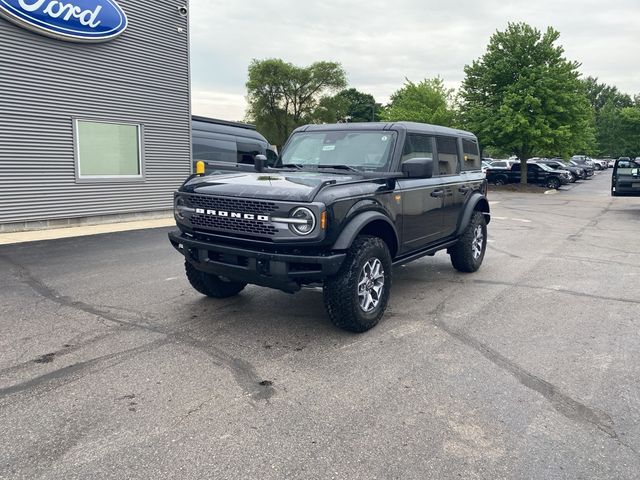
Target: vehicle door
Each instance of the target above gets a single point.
(457, 175)
(626, 176)
(422, 198)
(535, 174)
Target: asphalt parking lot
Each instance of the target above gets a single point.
(111, 366)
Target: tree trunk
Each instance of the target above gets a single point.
(523, 154)
(523, 171)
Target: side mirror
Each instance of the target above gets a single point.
(418, 168)
(259, 162)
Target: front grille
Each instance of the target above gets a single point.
(250, 227)
(256, 207)
(229, 224)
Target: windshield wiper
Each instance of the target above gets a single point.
(340, 167)
(298, 166)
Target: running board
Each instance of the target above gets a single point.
(423, 253)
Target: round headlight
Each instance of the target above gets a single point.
(179, 206)
(306, 221)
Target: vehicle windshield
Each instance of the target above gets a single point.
(346, 149)
(628, 163)
(544, 167)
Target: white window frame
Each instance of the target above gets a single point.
(141, 177)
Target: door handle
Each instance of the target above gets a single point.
(437, 193)
(464, 190)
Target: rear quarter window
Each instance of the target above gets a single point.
(471, 159)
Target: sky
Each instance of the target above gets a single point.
(381, 43)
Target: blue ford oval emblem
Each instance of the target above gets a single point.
(73, 20)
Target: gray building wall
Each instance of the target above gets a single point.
(140, 77)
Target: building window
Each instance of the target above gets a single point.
(108, 150)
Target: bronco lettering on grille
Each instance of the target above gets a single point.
(244, 216)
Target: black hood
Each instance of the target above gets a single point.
(295, 186)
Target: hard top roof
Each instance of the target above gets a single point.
(413, 127)
(215, 126)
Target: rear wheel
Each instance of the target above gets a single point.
(356, 297)
(212, 285)
(468, 253)
(501, 180)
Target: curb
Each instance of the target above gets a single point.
(71, 232)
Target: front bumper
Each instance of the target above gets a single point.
(285, 272)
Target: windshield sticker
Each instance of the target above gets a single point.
(328, 148)
(384, 138)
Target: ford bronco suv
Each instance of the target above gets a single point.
(341, 206)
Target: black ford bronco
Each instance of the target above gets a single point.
(341, 205)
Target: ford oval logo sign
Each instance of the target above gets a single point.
(72, 20)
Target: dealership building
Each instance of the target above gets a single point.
(94, 110)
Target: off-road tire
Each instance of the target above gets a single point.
(341, 290)
(462, 254)
(554, 183)
(212, 285)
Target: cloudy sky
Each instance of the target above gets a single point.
(379, 43)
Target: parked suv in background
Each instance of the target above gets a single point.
(537, 174)
(344, 203)
(584, 163)
(220, 143)
(575, 171)
(502, 163)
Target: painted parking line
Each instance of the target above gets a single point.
(523, 220)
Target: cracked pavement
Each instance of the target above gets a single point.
(111, 366)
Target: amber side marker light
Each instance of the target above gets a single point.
(323, 220)
(200, 167)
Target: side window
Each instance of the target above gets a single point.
(471, 155)
(447, 156)
(247, 151)
(212, 149)
(272, 157)
(417, 146)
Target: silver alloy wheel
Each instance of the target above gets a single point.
(370, 285)
(477, 243)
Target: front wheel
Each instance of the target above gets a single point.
(500, 181)
(356, 297)
(553, 183)
(212, 285)
(468, 253)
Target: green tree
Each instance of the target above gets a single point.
(283, 96)
(630, 131)
(600, 94)
(348, 105)
(609, 129)
(428, 102)
(525, 97)
(608, 102)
